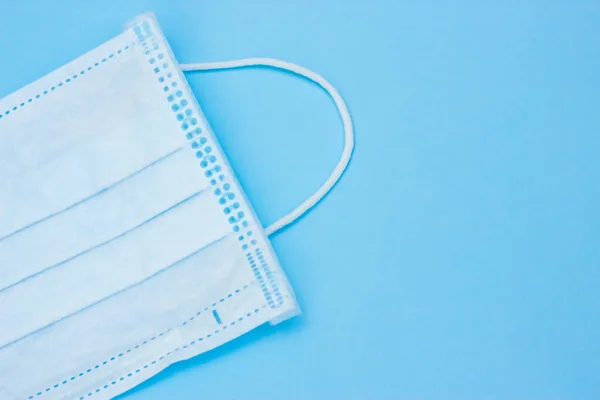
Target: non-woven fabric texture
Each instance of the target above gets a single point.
(126, 242)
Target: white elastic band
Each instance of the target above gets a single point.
(341, 106)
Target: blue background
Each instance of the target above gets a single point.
(459, 257)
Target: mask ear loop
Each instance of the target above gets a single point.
(342, 164)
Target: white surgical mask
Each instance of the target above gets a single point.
(126, 242)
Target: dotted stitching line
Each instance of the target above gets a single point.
(259, 278)
(66, 81)
(163, 357)
(199, 143)
(203, 152)
(105, 362)
(270, 277)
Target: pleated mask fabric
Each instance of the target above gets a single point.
(126, 242)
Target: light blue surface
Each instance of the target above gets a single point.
(459, 257)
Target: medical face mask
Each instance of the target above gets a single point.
(126, 242)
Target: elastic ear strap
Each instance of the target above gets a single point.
(342, 109)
